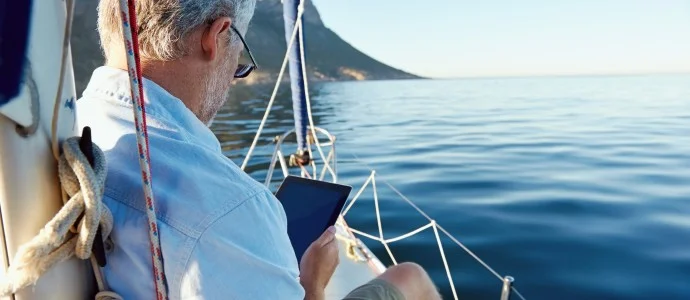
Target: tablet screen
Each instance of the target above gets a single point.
(310, 206)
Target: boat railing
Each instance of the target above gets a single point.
(327, 165)
(330, 167)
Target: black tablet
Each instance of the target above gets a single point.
(311, 206)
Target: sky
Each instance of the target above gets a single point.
(458, 38)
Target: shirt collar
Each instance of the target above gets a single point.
(114, 84)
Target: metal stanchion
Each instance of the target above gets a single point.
(507, 285)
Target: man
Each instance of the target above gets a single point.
(223, 235)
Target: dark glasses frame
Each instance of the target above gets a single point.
(243, 70)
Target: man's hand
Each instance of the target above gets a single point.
(318, 264)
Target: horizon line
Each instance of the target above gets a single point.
(640, 73)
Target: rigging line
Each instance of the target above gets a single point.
(479, 260)
(364, 234)
(323, 170)
(517, 293)
(313, 167)
(275, 91)
(393, 188)
(307, 97)
(359, 193)
(409, 234)
(58, 96)
(131, 45)
(489, 268)
(445, 261)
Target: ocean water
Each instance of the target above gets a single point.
(579, 187)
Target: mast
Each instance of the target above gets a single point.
(299, 100)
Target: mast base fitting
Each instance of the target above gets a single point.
(301, 158)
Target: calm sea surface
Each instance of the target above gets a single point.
(579, 187)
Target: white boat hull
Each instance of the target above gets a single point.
(29, 187)
(357, 265)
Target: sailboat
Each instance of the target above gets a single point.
(38, 116)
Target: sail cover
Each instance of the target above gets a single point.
(14, 31)
(299, 100)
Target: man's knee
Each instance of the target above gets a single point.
(408, 272)
(411, 280)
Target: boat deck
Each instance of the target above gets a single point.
(357, 265)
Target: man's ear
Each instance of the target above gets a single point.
(213, 35)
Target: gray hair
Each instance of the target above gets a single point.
(164, 25)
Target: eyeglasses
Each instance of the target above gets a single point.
(243, 70)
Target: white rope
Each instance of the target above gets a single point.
(313, 168)
(490, 269)
(359, 193)
(445, 262)
(308, 100)
(105, 293)
(130, 37)
(326, 163)
(436, 226)
(409, 234)
(19, 283)
(371, 178)
(54, 243)
(58, 96)
(283, 164)
(378, 221)
(364, 234)
(275, 88)
(305, 172)
(297, 29)
(517, 292)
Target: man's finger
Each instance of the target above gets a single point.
(333, 243)
(331, 246)
(327, 237)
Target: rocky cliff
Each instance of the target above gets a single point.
(328, 56)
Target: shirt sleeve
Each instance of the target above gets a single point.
(244, 254)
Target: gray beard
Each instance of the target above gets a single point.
(216, 94)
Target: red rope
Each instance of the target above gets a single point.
(130, 36)
(135, 41)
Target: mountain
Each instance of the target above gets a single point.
(329, 57)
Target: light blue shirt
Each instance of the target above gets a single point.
(223, 235)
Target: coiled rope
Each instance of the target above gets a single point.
(55, 243)
(85, 184)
